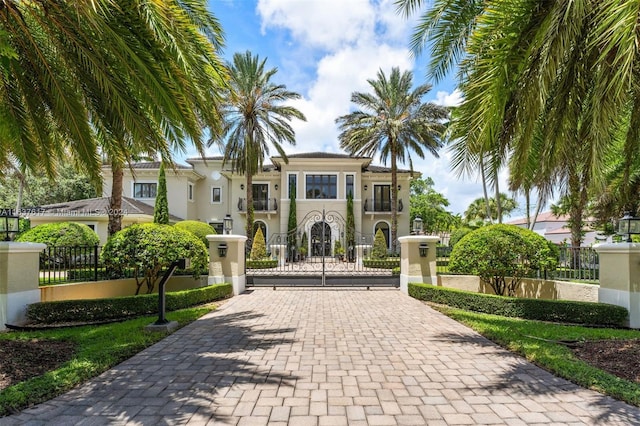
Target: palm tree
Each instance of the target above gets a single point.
(552, 78)
(393, 121)
(254, 118)
(127, 78)
(477, 210)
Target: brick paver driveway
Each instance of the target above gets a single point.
(327, 357)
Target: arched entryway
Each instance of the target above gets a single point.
(320, 237)
(384, 227)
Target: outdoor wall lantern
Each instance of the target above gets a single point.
(242, 186)
(222, 249)
(227, 224)
(423, 247)
(276, 186)
(417, 226)
(9, 224)
(629, 225)
(366, 187)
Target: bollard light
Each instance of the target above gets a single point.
(423, 247)
(629, 225)
(227, 224)
(222, 249)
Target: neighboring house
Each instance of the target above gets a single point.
(92, 212)
(207, 192)
(556, 229)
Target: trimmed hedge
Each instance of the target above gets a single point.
(534, 309)
(122, 307)
(262, 264)
(381, 263)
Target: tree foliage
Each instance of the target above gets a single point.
(67, 234)
(477, 211)
(350, 230)
(161, 210)
(292, 224)
(259, 246)
(379, 250)
(149, 248)
(501, 255)
(197, 228)
(430, 206)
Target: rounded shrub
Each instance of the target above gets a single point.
(197, 228)
(501, 255)
(259, 246)
(379, 246)
(457, 235)
(61, 234)
(148, 249)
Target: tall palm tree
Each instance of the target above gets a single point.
(555, 78)
(126, 77)
(255, 117)
(394, 122)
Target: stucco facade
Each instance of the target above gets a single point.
(206, 191)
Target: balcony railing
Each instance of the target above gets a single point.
(260, 205)
(376, 206)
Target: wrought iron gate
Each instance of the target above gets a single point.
(320, 252)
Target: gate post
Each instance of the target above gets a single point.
(19, 272)
(229, 268)
(279, 251)
(620, 277)
(361, 250)
(415, 268)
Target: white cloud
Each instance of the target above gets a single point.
(449, 99)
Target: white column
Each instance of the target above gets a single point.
(361, 251)
(19, 280)
(279, 251)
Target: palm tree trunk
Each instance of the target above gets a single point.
(484, 189)
(498, 201)
(394, 202)
(115, 202)
(527, 197)
(249, 225)
(21, 178)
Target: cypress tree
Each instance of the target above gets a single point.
(161, 210)
(379, 246)
(259, 246)
(291, 227)
(351, 230)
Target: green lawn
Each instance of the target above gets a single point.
(98, 348)
(525, 338)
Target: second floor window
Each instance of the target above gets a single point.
(292, 184)
(382, 198)
(322, 187)
(349, 186)
(145, 190)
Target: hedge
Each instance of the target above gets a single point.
(262, 264)
(534, 309)
(122, 307)
(381, 263)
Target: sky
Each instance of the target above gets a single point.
(325, 50)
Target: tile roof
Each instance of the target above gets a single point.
(322, 155)
(99, 207)
(381, 169)
(156, 165)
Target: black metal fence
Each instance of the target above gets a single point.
(578, 264)
(70, 264)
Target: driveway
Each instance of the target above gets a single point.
(327, 357)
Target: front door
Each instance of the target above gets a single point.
(320, 239)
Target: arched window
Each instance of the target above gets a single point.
(384, 226)
(263, 226)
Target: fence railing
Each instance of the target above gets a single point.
(68, 264)
(580, 264)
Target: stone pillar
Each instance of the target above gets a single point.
(279, 251)
(413, 267)
(620, 277)
(231, 268)
(362, 250)
(19, 280)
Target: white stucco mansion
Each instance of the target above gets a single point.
(206, 191)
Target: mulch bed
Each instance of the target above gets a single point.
(618, 357)
(21, 360)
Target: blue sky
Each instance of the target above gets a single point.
(327, 49)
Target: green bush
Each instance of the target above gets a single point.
(501, 255)
(197, 228)
(379, 246)
(258, 247)
(122, 307)
(149, 249)
(395, 271)
(262, 264)
(61, 234)
(381, 263)
(533, 309)
(457, 235)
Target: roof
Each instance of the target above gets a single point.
(323, 155)
(92, 207)
(542, 217)
(381, 169)
(156, 165)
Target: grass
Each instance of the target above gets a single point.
(523, 337)
(98, 348)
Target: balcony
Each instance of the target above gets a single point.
(267, 205)
(377, 206)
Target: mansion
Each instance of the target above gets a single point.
(206, 191)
